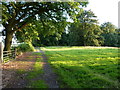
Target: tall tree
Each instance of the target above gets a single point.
(85, 31)
(108, 27)
(110, 34)
(18, 15)
(64, 41)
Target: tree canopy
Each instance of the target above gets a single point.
(110, 34)
(18, 15)
(86, 31)
(44, 23)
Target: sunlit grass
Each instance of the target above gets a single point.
(60, 48)
(37, 71)
(32, 75)
(85, 67)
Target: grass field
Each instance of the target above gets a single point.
(85, 67)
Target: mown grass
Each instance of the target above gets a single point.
(85, 67)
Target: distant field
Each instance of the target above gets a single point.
(85, 67)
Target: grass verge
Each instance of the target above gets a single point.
(33, 76)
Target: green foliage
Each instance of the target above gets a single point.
(108, 27)
(111, 39)
(29, 33)
(5, 14)
(110, 34)
(76, 70)
(85, 31)
(46, 17)
(44, 23)
(49, 40)
(25, 47)
(64, 41)
(37, 84)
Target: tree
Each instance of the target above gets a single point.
(110, 34)
(27, 34)
(18, 15)
(64, 41)
(49, 40)
(86, 31)
(49, 32)
(108, 27)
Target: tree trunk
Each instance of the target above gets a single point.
(8, 40)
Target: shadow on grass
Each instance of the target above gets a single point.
(84, 77)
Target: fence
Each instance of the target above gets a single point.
(6, 56)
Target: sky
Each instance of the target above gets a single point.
(105, 10)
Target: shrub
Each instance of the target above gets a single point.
(25, 47)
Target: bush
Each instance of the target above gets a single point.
(25, 47)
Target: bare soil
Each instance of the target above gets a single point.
(10, 77)
(25, 62)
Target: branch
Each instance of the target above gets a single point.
(21, 27)
(42, 23)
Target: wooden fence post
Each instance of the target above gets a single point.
(15, 52)
(1, 52)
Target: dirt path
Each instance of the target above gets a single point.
(25, 62)
(10, 77)
(49, 76)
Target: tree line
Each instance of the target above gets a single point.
(84, 32)
(46, 24)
